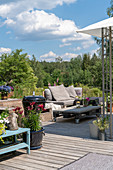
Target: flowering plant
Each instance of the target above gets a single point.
(19, 112)
(6, 89)
(102, 123)
(32, 119)
(86, 101)
(3, 121)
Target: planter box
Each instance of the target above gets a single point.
(93, 131)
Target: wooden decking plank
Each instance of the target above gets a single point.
(7, 167)
(46, 159)
(27, 165)
(44, 162)
(81, 149)
(68, 138)
(85, 143)
(60, 155)
(76, 139)
(16, 165)
(60, 147)
(35, 163)
(63, 152)
(52, 157)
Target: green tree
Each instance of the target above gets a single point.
(15, 66)
(110, 9)
(38, 71)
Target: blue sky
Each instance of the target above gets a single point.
(47, 28)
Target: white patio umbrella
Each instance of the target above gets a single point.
(95, 29)
(104, 30)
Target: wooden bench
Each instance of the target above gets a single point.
(16, 145)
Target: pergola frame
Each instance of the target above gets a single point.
(107, 75)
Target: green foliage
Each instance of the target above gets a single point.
(110, 9)
(102, 123)
(31, 75)
(32, 120)
(15, 66)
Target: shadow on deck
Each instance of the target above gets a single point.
(67, 127)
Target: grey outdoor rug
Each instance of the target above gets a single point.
(91, 161)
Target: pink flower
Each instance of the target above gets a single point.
(18, 108)
(41, 106)
(14, 110)
(57, 80)
(87, 98)
(49, 84)
(54, 84)
(29, 108)
(20, 112)
(32, 103)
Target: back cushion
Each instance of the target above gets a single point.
(59, 93)
(71, 91)
(47, 94)
(78, 91)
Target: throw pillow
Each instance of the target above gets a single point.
(47, 94)
(71, 91)
(59, 93)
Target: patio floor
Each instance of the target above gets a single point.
(63, 143)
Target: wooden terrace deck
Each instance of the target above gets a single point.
(57, 151)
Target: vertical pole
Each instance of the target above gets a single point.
(103, 71)
(28, 141)
(106, 72)
(110, 63)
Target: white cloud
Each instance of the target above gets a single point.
(31, 24)
(76, 49)
(14, 7)
(39, 25)
(8, 32)
(5, 50)
(68, 56)
(88, 43)
(65, 44)
(76, 37)
(50, 57)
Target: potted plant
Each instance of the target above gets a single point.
(32, 121)
(4, 92)
(102, 123)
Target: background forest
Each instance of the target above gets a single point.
(27, 75)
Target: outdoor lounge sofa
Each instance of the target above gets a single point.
(61, 95)
(67, 96)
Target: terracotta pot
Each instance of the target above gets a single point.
(109, 107)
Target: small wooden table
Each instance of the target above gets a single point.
(78, 113)
(16, 145)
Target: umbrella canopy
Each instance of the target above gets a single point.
(95, 29)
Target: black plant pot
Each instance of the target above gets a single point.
(4, 95)
(36, 138)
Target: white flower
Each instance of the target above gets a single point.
(6, 121)
(1, 121)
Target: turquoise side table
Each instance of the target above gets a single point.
(16, 145)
